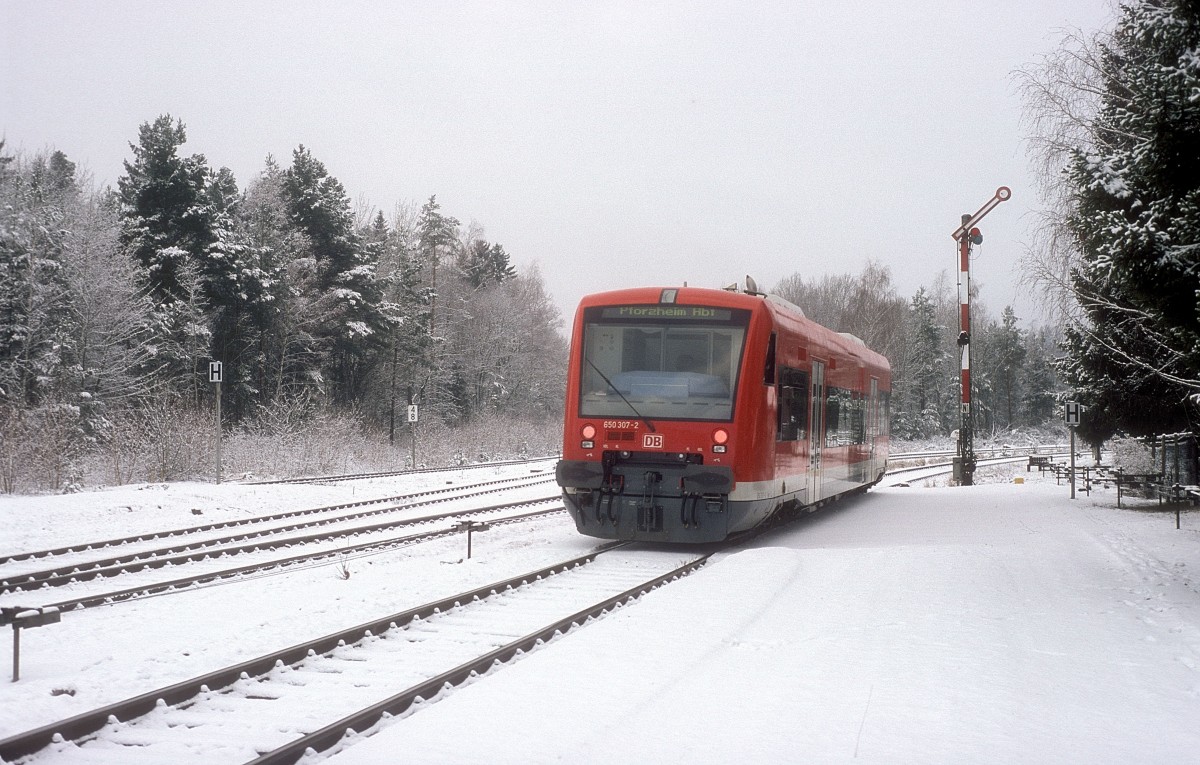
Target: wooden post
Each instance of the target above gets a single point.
(1163, 471)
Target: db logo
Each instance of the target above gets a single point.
(652, 440)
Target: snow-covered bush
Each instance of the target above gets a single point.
(1131, 455)
(326, 441)
(41, 448)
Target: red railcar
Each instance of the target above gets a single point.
(693, 415)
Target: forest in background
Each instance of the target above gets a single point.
(329, 321)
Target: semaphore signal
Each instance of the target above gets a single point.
(968, 235)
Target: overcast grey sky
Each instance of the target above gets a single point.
(615, 144)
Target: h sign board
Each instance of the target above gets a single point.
(412, 413)
(215, 372)
(1074, 410)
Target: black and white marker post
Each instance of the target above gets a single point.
(1071, 417)
(215, 374)
(414, 416)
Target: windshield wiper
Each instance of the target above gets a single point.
(604, 377)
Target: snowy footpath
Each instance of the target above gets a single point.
(990, 624)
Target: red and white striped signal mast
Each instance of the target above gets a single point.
(968, 235)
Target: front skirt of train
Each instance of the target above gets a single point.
(656, 497)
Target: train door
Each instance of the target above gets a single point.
(816, 431)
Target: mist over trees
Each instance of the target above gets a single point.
(1012, 376)
(113, 303)
(1115, 123)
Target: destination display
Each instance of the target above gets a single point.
(667, 312)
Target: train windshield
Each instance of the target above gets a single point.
(661, 361)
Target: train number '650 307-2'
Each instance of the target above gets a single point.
(621, 424)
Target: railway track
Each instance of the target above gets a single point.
(268, 534)
(901, 476)
(308, 697)
(157, 587)
(394, 473)
(997, 451)
(335, 511)
(337, 521)
(220, 572)
(339, 674)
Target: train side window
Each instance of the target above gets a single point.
(873, 410)
(793, 405)
(836, 417)
(858, 422)
(769, 368)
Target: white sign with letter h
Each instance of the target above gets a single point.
(1074, 411)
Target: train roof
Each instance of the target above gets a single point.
(847, 344)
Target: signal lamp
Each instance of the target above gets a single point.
(588, 431)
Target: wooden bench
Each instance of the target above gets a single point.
(1039, 461)
(1126, 481)
(1179, 493)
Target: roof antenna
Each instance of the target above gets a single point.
(751, 286)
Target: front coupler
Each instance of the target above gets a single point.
(648, 496)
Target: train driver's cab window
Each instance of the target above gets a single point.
(793, 405)
(668, 362)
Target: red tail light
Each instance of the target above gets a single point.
(720, 436)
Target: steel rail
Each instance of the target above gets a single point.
(157, 588)
(1016, 451)
(942, 468)
(85, 724)
(390, 473)
(201, 549)
(360, 722)
(61, 579)
(167, 533)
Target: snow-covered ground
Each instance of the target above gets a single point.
(994, 623)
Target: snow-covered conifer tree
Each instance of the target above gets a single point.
(348, 315)
(1134, 354)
